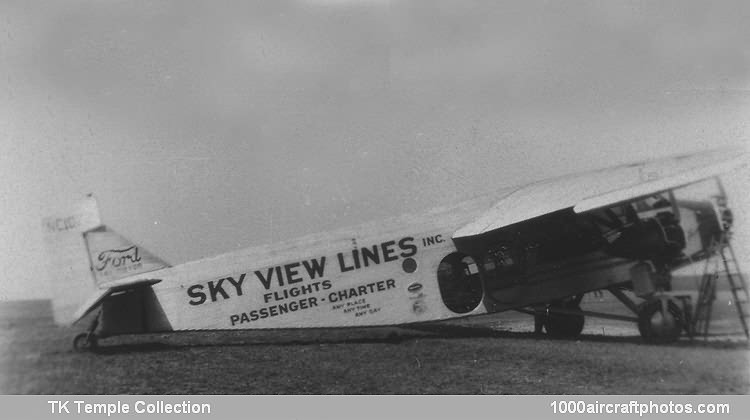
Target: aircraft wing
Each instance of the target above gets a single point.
(109, 288)
(602, 188)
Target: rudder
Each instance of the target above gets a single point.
(70, 279)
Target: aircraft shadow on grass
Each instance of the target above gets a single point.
(407, 334)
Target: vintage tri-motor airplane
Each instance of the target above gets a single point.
(538, 248)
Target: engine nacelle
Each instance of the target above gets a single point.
(656, 238)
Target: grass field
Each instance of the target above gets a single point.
(496, 354)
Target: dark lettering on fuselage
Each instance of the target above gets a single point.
(376, 254)
(361, 290)
(305, 273)
(432, 240)
(281, 275)
(291, 273)
(215, 289)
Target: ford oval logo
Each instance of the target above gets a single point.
(414, 287)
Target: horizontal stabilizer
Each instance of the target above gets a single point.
(113, 287)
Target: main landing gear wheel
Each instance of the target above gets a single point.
(660, 321)
(564, 325)
(85, 342)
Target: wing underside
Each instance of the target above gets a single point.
(598, 189)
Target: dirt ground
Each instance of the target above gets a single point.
(495, 354)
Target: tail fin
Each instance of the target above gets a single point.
(68, 268)
(84, 255)
(114, 257)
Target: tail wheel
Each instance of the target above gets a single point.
(563, 325)
(660, 321)
(85, 342)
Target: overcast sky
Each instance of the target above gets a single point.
(204, 127)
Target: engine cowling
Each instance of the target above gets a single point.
(656, 238)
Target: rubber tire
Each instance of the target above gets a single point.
(664, 333)
(84, 342)
(564, 325)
